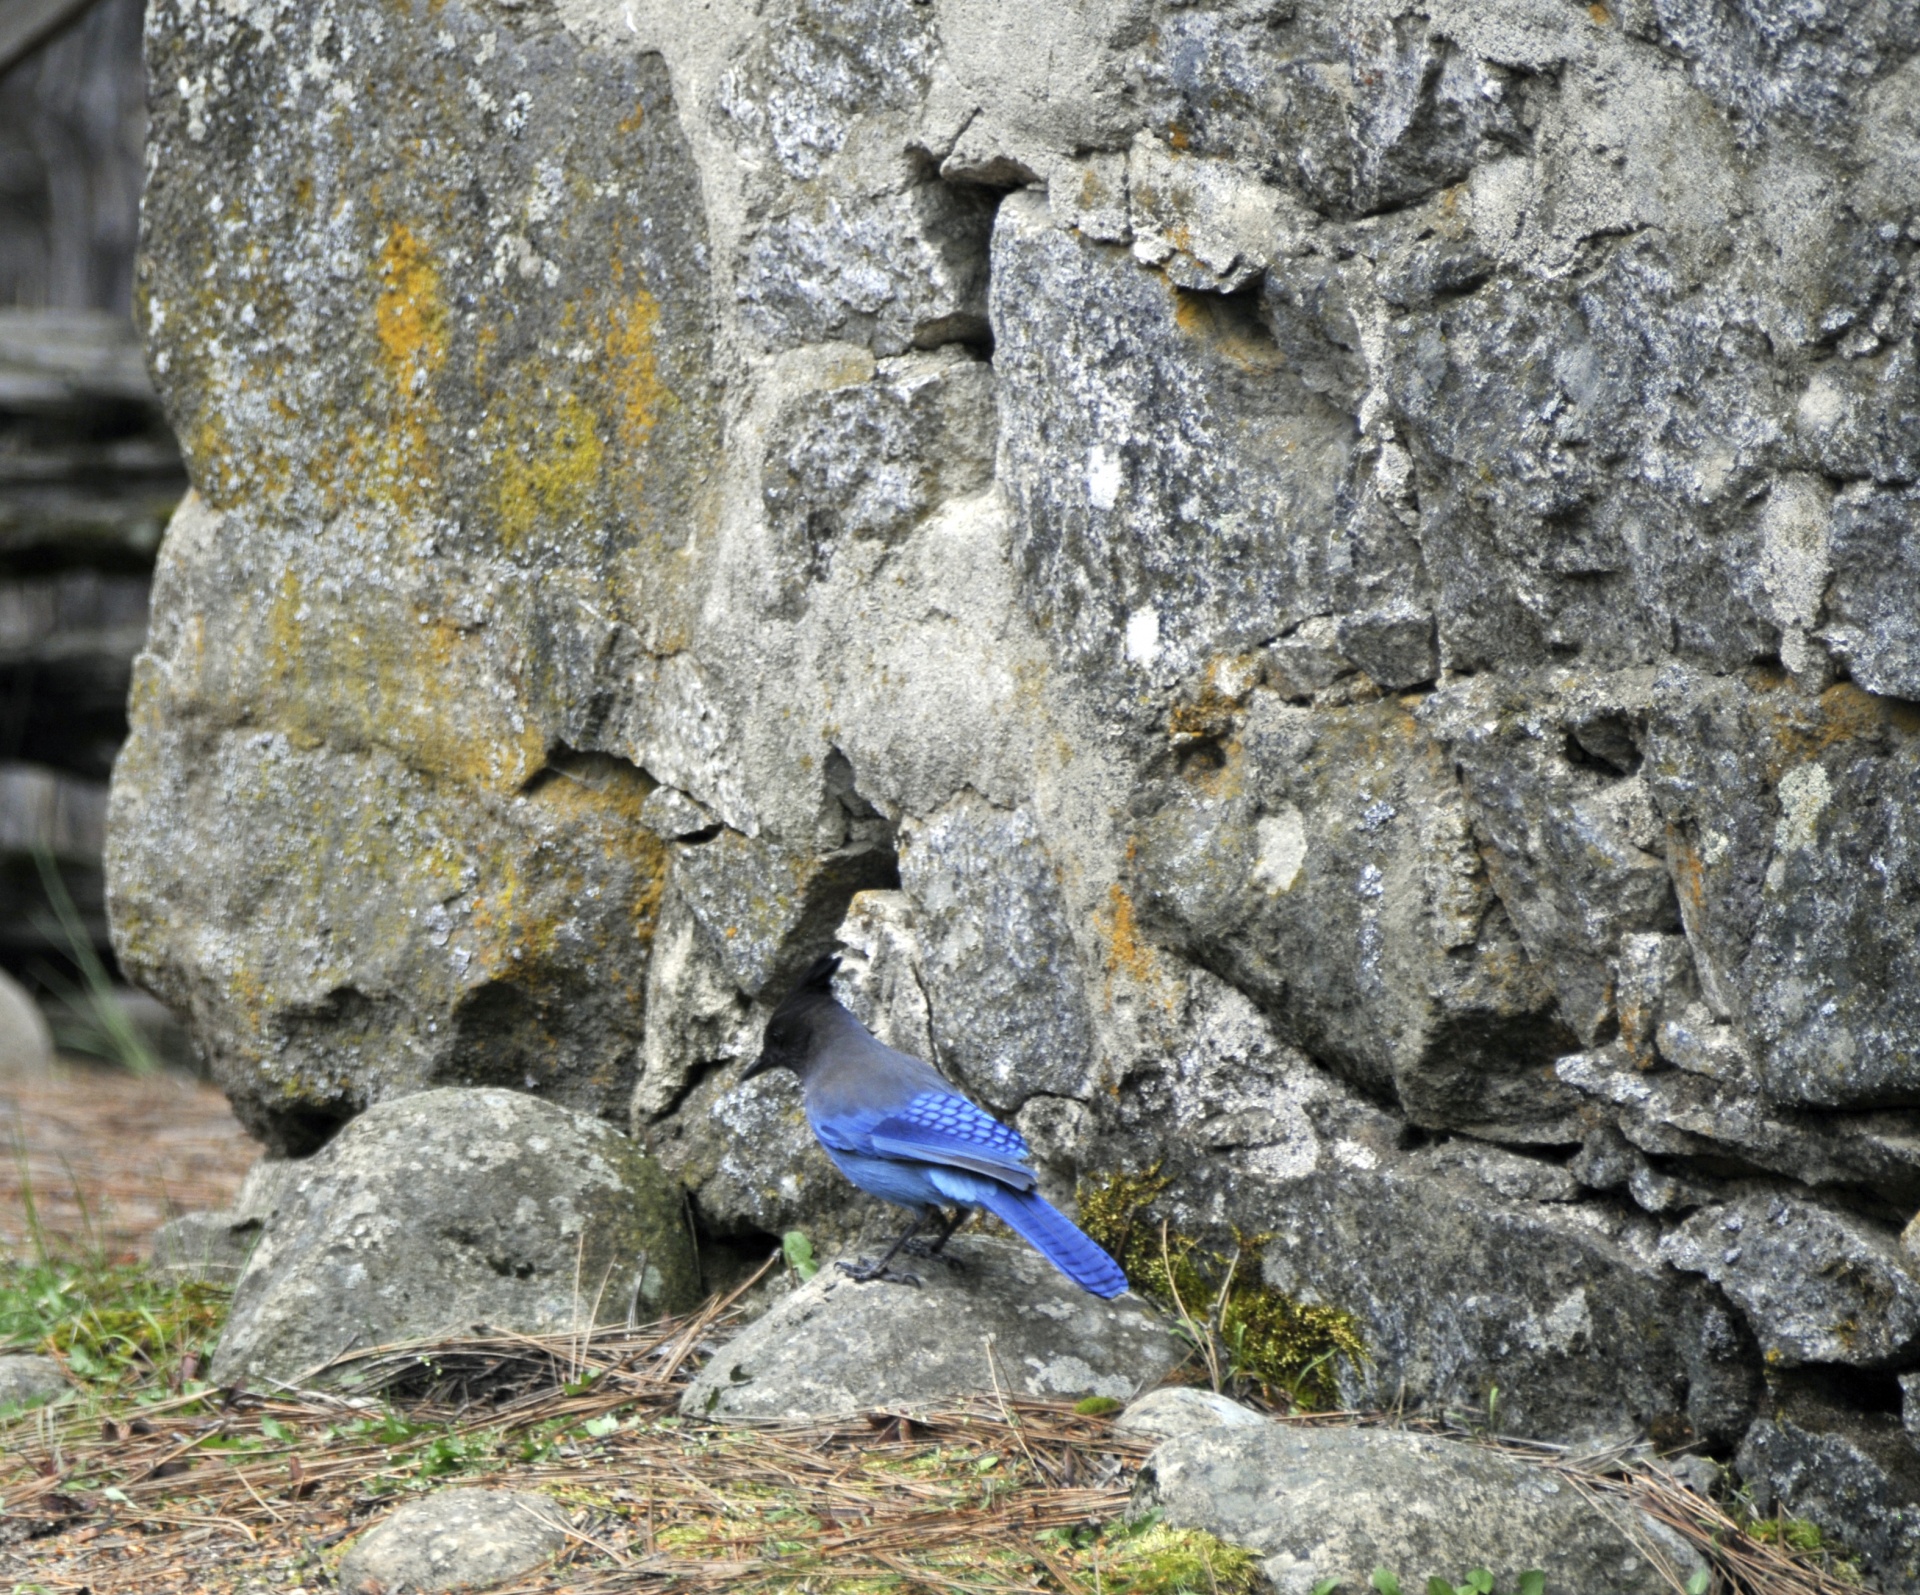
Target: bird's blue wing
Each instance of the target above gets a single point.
(939, 1127)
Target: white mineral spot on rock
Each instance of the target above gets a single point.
(1143, 636)
(1281, 849)
(1103, 478)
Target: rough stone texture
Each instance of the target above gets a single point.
(1816, 1283)
(1476, 1267)
(836, 1346)
(447, 1209)
(1318, 597)
(454, 1539)
(26, 1380)
(1183, 1409)
(1857, 1477)
(1336, 1503)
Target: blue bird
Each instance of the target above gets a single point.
(901, 1133)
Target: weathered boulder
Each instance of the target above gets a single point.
(26, 1380)
(1335, 1503)
(448, 1209)
(454, 1539)
(986, 1314)
(1817, 1283)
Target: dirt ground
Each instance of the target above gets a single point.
(99, 1155)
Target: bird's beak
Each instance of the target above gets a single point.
(760, 1065)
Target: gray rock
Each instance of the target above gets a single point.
(454, 1539)
(26, 1042)
(1786, 830)
(498, 935)
(1854, 1474)
(1710, 1108)
(448, 1209)
(216, 1246)
(873, 457)
(1580, 1324)
(1874, 592)
(835, 1346)
(1332, 1503)
(1329, 869)
(1007, 1006)
(1182, 1409)
(1575, 852)
(1816, 1283)
(27, 1380)
(207, 1246)
(1176, 480)
(1289, 583)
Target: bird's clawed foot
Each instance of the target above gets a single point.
(949, 1222)
(863, 1272)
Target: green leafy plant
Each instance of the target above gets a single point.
(797, 1251)
(110, 1321)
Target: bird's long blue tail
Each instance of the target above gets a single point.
(1053, 1235)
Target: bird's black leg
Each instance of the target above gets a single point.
(949, 1222)
(864, 1271)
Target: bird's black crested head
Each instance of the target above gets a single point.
(788, 1040)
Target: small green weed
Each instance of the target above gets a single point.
(1795, 1533)
(113, 1323)
(797, 1250)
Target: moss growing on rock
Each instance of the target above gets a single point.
(1260, 1337)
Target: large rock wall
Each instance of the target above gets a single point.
(1324, 593)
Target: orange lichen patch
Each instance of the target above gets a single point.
(410, 317)
(633, 366)
(1800, 728)
(633, 121)
(410, 323)
(1600, 14)
(1126, 951)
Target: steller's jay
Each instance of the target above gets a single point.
(901, 1133)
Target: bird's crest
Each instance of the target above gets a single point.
(816, 983)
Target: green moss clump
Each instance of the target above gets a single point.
(1145, 1557)
(1263, 1338)
(1163, 1561)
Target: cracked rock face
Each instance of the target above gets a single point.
(1319, 596)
